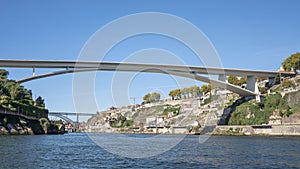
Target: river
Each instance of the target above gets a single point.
(77, 150)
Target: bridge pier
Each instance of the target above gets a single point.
(222, 78)
(33, 71)
(252, 85)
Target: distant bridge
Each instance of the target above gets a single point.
(183, 71)
(63, 115)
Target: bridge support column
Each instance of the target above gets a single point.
(33, 71)
(251, 83)
(222, 78)
(253, 86)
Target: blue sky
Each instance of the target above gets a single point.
(256, 34)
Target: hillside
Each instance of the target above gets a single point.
(14, 97)
(19, 113)
(281, 106)
(168, 116)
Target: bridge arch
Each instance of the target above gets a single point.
(63, 117)
(191, 75)
(183, 71)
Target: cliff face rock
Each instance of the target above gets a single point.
(292, 119)
(12, 125)
(3, 130)
(293, 98)
(15, 129)
(12, 129)
(185, 114)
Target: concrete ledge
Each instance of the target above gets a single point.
(270, 130)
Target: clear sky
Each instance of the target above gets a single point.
(249, 34)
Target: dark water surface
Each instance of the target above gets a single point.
(76, 150)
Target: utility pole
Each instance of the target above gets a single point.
(134, 98)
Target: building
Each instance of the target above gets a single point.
(155, 121)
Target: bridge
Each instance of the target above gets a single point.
(193, 72)
(63, 115)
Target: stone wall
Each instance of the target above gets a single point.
(274, 130)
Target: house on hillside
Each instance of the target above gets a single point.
(155, 121)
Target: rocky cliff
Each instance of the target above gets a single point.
(12, 125)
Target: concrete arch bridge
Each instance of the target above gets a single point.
(193, 72)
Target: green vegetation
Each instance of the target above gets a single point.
(151, 97)
(277, 79)
(122, 122)
(205, 88)
(236, 81)
(296, 109)
(174, 109)
(248, 114)
(292, 62)
(210, 99)
(286, 83)
(191, 92)
(44, 122)
(263, 90)
(258, 113)
(175, 94)
(16, 98)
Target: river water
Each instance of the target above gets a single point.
(77, 150)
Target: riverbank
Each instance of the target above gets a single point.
(13, 125)
(222, 130)
(258, 130)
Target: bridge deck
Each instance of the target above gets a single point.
(113, 66)
(71, 113)
(180, 70)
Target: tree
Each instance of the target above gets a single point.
(233, 80)
(242, 80)
(178, 94)
(40, 102)
(236, 81)
(175, 94)
(292, 62)
(151, 97)
(288, 83)
(27, 94)
(185, 92)
(154, 97)
(172, 94)
(3, 89)
(14, 96)
(277, 79)
(8, 85)
(205, 89)
(3, 73)
(16, 92)
(263, 90)
(195, 90)
(146, 98)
